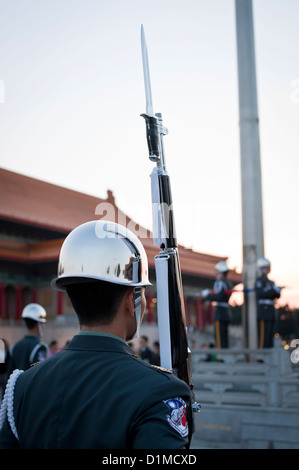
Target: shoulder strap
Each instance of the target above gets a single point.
(33, 352)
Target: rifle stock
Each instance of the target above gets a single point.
(179, 353)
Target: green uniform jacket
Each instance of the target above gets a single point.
(266, 293)
(25, 352)
(96, 394)
(221, 297)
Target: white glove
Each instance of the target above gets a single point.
(205, 292)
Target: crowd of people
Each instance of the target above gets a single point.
(145, 352)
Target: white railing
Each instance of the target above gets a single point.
(258, 377)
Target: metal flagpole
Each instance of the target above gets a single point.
(252, 210)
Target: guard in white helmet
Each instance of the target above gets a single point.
(266, 293)
(221, 293)
(31, 348)
(100, 395)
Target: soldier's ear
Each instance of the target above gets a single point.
(129, 301)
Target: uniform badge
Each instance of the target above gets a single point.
(177, 417)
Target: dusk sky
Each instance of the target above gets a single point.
(72, 91)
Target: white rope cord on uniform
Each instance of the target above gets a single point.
(7, 402)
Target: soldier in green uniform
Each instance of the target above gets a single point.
(96, 393)
(221, 293)
(31, 348)
(266, 293)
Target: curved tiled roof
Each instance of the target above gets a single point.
(37, 203)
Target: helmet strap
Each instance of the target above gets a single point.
(137, 304)
(40, 331)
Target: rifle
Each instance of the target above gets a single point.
(174, 351)
(205, 292)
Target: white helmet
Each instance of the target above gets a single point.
(263, 263)
(221, 267)
(104, 251)
(35, 312)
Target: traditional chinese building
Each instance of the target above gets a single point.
(35, 218)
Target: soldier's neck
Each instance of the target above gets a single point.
(109, 329)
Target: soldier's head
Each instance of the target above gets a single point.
(97, 302)
(103, 267)
(264, 265)
(143, 341)
(34, 316)
(221, 269)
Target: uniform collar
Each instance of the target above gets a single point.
(99, 333)
(94, 341)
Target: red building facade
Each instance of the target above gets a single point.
(35, 218)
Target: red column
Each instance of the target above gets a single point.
(149, 307)
(186, 310)
(6, 302)
(1, 297)
(34, 294)
(198, 311)
(59, 302)
(204, 316)
(18, 301)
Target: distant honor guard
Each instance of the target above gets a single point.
(221, 293)
(31, 348)
(266, 293)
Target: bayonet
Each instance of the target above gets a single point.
(154, 123)
(146, 75)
